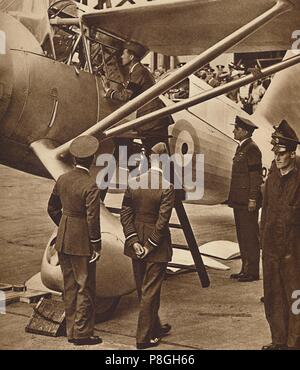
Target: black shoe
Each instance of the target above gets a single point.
(71, 340)
(163, 330)
(90, 341)
(274, 347)
(248, 278)
(236, 276)
(153, 343)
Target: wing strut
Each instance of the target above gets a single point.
(50, 155)
(220, 47)
(202, 97)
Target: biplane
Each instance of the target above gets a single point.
(51, 92)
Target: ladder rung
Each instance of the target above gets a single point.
(116, 211)
(175, 226)
(180, 246)
(183, 267)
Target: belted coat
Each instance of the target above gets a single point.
(74, 206)
(145, 217)
(246, 179)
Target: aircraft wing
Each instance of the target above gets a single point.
(188, 27)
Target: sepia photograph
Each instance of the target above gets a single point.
(149, 177)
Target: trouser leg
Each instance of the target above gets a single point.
(70, 292)
(156, 320)
(150, 301)
(139, 269)
(248, 237)
(290, 273)
(276, 304)
(239, 238)
(85, 276)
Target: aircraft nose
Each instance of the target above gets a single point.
(6, 75)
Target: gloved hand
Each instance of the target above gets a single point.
(251, 205)
(95, 257)
(147, 250)
(105, 85)
(138, 249)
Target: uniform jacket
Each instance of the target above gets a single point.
(140, 79)
(74, 206)
(280, 222)
(145, 218)
(246, 178)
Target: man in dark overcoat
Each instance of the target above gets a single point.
(280, 238)
(145, 216)
(245, 198)
(74, 206)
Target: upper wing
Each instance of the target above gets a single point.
(187, 27)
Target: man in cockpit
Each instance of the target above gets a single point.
(139, 79)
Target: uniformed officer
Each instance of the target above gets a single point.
(245, 198)
(74, 206)
(145, 219)
(280, 238)
(139, 80)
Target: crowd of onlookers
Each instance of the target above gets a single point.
(248, 97)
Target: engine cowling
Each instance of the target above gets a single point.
(114, 271)
(6, 75)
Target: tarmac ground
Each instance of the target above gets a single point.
(227, 315)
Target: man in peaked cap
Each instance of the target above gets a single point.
(74, 206)
(140, 79)
(284, 138)
(245, 198)
(145, 219)
(280, 239)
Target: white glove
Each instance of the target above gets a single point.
(95, 257)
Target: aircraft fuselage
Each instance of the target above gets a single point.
(43, 99)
